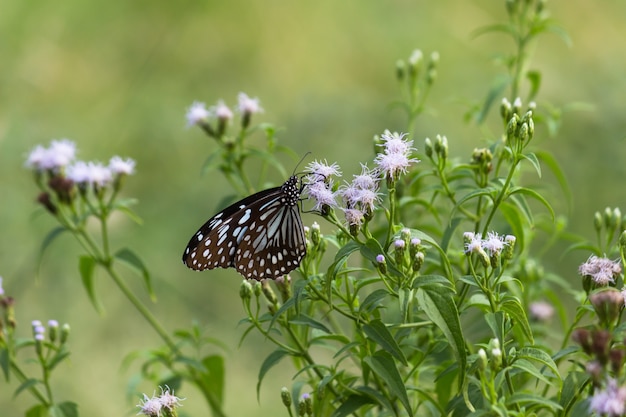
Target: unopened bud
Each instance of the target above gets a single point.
(268, 292)
(381, 263)
(315, 233)
(418, 261)
(245, 290)
(505, 109)
(65, 333)
(400, 70)
(517, 106)
(428, 147)
(597, 221)
(53, 330)
(285, 396)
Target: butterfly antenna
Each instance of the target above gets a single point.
(299, 162)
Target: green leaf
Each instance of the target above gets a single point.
(305, 320)
(535, 195)
(211, 162)
(514, 309)
(30, 382)
(432, 281)
(440, 308)
(39, 410)
(5, 363)
(131, 259)
(86, 266)
(532, 158)
(532, 401)
(550, 162)
(373, 300)
(47, 241)
(527, 367)
(540, 356)
(64, 409)
(352, 404)
(534, 77)
(213, 379)
(271, 360)
(378, 332)
(382, 364)
(573, 385)
(123, 205)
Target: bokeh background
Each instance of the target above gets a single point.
(117, 77)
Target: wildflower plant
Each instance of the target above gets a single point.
(422, 292)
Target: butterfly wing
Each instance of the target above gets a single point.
(260, 236)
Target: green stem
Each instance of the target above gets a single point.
(32, 389)
(501, 195)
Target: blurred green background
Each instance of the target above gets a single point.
(117, 77)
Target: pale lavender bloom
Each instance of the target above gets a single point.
(354, 217)
(610, 402)
(37, 158)
(222, 111)
(150, 406)
(416, 241)
(493, 244)
(248, 105)
(197, 113)
(53, 323)
(119, 166)
(39, 337)
(168, 399)
(541, 310)
(394, 143)
(35, 323)
(79, 172)
(357, 197)
(39, 330)
(1, 289)
(380, 258)
(61, 153)
(396, 157)
(601, 270)
(473, 243)
(323, 196)
(99, 175)
(367, 179)
(319, 170)
(399, 244)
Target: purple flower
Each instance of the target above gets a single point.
(58, 155)
(396, 156)
(473, 242)
(541, 310)
(321, 193)
(222, 111)
(601, 270)
(354, 217)
(150, 406)
(322, 171)
(610, 402)
(493, 244)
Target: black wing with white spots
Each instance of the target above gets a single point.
(260, 236)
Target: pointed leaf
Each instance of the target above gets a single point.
(516, 312)
(440, 308)
(382, 364)
(540, 356)
(130, 258)
(64, 409)
(5, 363)
(39, 410)
(86, 266)
(271, 360)
(305, 320)
(536, 196)
(351, 405)
(213, 377)
(378, 332)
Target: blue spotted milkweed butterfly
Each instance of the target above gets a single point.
(261, 236)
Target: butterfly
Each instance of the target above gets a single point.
(261, 236)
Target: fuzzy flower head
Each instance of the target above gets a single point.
(493, 244)
(197, 113)
(473, 242)
(222, 111)
(609, 402)
(396, 156)
(150, 406)
(119, 166)
(541, 311)
(354, 217)
(58, 155)
(247, 105)
(362, 193)
(601, 270)
(168, 400)
(322, 171)
(99, 175)
(323, 196)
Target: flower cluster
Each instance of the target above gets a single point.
(164, 404)
(361, 195)
(491, 249)
(610, 401)
(199, 115)
(59, 174)
(396, 156)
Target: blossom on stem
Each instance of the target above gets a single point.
(58, 155)
(322, 171)
(609, 402)
(150, 406)
(197, 113)
(396, 156)
(601, 270)
(119, 166)
(541, 311)
(323, 196)
(247, 105)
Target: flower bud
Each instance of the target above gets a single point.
(268, 292)
(597, 221)
(245, 290)
(315, 233)
(44, 200)
(617, 217)
(482, 359)
(505, 109)
(511, 128)
(415, 62)
(285, 396)
(53, 330)
(608, 217)
(622, 240)
(381, 263)
(418, 261)
(400, 70)
(517, 106)
(509, 246)
(428, 147)
(523, 132)
(283, 283)
(399, 250)
(608, 305)
(65, 333)
(583, 338)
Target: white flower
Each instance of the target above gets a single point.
(150, 406)
(473, 242)
(197, 113)
(248, 105)
(119, 166)
(79, 172)
(493, 244)
(222, 111)
(168, 399)
(99, 175)
(37, 158)
(319, 170)
(354, 217)
(58, 155)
